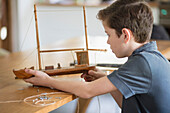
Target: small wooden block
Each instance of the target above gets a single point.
(82, 57)
(49, 67)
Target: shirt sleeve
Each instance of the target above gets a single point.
(134, 77)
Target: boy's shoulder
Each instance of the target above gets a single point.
(149, 52)
(153, 58)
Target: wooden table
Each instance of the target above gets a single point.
(12, 89)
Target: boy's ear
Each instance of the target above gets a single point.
(126, 34)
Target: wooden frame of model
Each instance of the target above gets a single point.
(82, 57)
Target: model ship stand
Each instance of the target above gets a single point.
(82, 65)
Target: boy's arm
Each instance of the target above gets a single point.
(81, 89)
(118, 97)
(84, 89)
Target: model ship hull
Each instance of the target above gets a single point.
(20, 74)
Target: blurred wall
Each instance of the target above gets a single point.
(56, 23)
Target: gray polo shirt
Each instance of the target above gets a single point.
(144, 81)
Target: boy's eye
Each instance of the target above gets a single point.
(108, 35)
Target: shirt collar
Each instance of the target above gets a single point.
(147, 47)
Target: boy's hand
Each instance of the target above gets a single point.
(93, 75)
(40, 78)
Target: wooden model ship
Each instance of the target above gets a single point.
(82, 65)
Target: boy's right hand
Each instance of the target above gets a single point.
(93, 75)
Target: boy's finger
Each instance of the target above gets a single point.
(91, 72)
(88, 78)
(32, 72)
(28, 80)
(82, 76)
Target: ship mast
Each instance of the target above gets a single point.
(37, 37)
(85, 27)
(84, 54)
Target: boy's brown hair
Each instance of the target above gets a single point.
(135, 15)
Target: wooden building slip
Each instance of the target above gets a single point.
(82, 57)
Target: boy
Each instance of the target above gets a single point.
(142, 84)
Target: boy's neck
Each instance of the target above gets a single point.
(135, 46)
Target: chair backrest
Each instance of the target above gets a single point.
(159, 33)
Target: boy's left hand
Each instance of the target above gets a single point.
(93, 75)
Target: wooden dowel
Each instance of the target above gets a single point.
(45, 51)
(98, 50)
(85, 27)
(37, 37)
